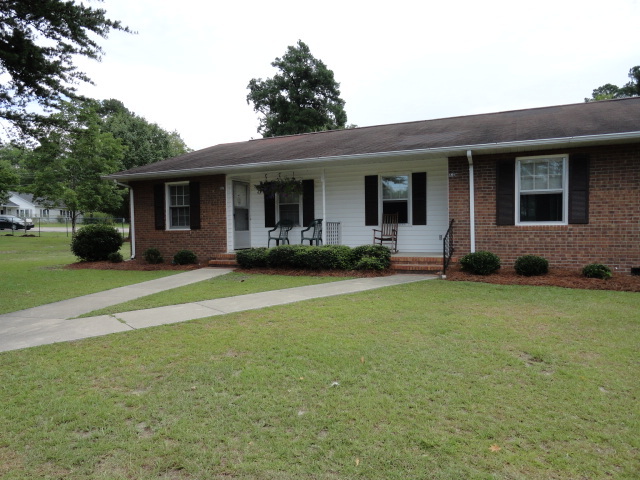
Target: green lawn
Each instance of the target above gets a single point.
(33, 273)
(229, 285)
(438, 380)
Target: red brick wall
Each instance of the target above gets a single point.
(612, 235)
(209, 239)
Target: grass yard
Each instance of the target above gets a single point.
(33, 273)
(229, 285)
(438, 380)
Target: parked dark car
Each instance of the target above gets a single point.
(15, 223)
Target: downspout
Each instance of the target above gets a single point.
(324, 210)
(132, 229)
(472, 204)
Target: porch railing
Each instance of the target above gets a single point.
(447, 248)
(334, 233)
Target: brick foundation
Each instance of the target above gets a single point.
(612, 235)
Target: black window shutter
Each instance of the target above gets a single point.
(419, 198)
(269, 211)
(308, 203)
(371, 200)
(505, 192)
(194, 205)
(579, 188)
(158, 206)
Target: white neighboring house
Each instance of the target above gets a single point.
(24, 205)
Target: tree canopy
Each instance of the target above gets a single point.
(304, 97)
(609, 91)
(145, 142)
(68, 165)
(38, 42)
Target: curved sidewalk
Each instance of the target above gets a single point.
(54, 323)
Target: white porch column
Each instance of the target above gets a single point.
(324, 209)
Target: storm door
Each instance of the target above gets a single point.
(241, 233)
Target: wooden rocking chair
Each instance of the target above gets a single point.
(389, 231)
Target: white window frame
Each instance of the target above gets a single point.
(564, 190)
(168, 207)
(382, 176)
(300, 200)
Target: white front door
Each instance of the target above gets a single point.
(241, 233)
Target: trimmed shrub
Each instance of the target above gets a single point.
(335, 257)
(370, 263)
(152, 255)
(284, 256)
(596, 270)
(94, 243)
(115, 257)
(531, 265)
(381, 253)
(185, 257)
(480, 263)
(253, 258)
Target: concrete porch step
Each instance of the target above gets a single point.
(223, 260)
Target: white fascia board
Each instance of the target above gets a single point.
(459, 150)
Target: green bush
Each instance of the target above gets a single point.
(328, 257)
(94, 243)
(185, 257)
(152, 255)
(284, 256)
(531, 265)
(480, 263)
(253, 258)
(370, 263)
(335, 257)
(596, 270)
(115, 257)
(380, 252)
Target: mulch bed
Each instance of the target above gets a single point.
(566, 278)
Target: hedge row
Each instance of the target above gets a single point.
(328, 257)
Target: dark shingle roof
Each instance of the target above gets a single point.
(537, 124)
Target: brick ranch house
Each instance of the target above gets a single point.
(561, 182)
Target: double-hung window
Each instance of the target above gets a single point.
(541, 190)
(178, 206)
(395, 196)
(289, 207)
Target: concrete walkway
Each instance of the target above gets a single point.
(55, 323)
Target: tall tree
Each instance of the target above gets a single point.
(38, 42)
(304, 97)
(8, 179)
(68, 165)
(609, 91)
(11, 171)
(145, 142)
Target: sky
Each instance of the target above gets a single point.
(188, 66)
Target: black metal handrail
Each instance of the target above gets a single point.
(447, 247)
